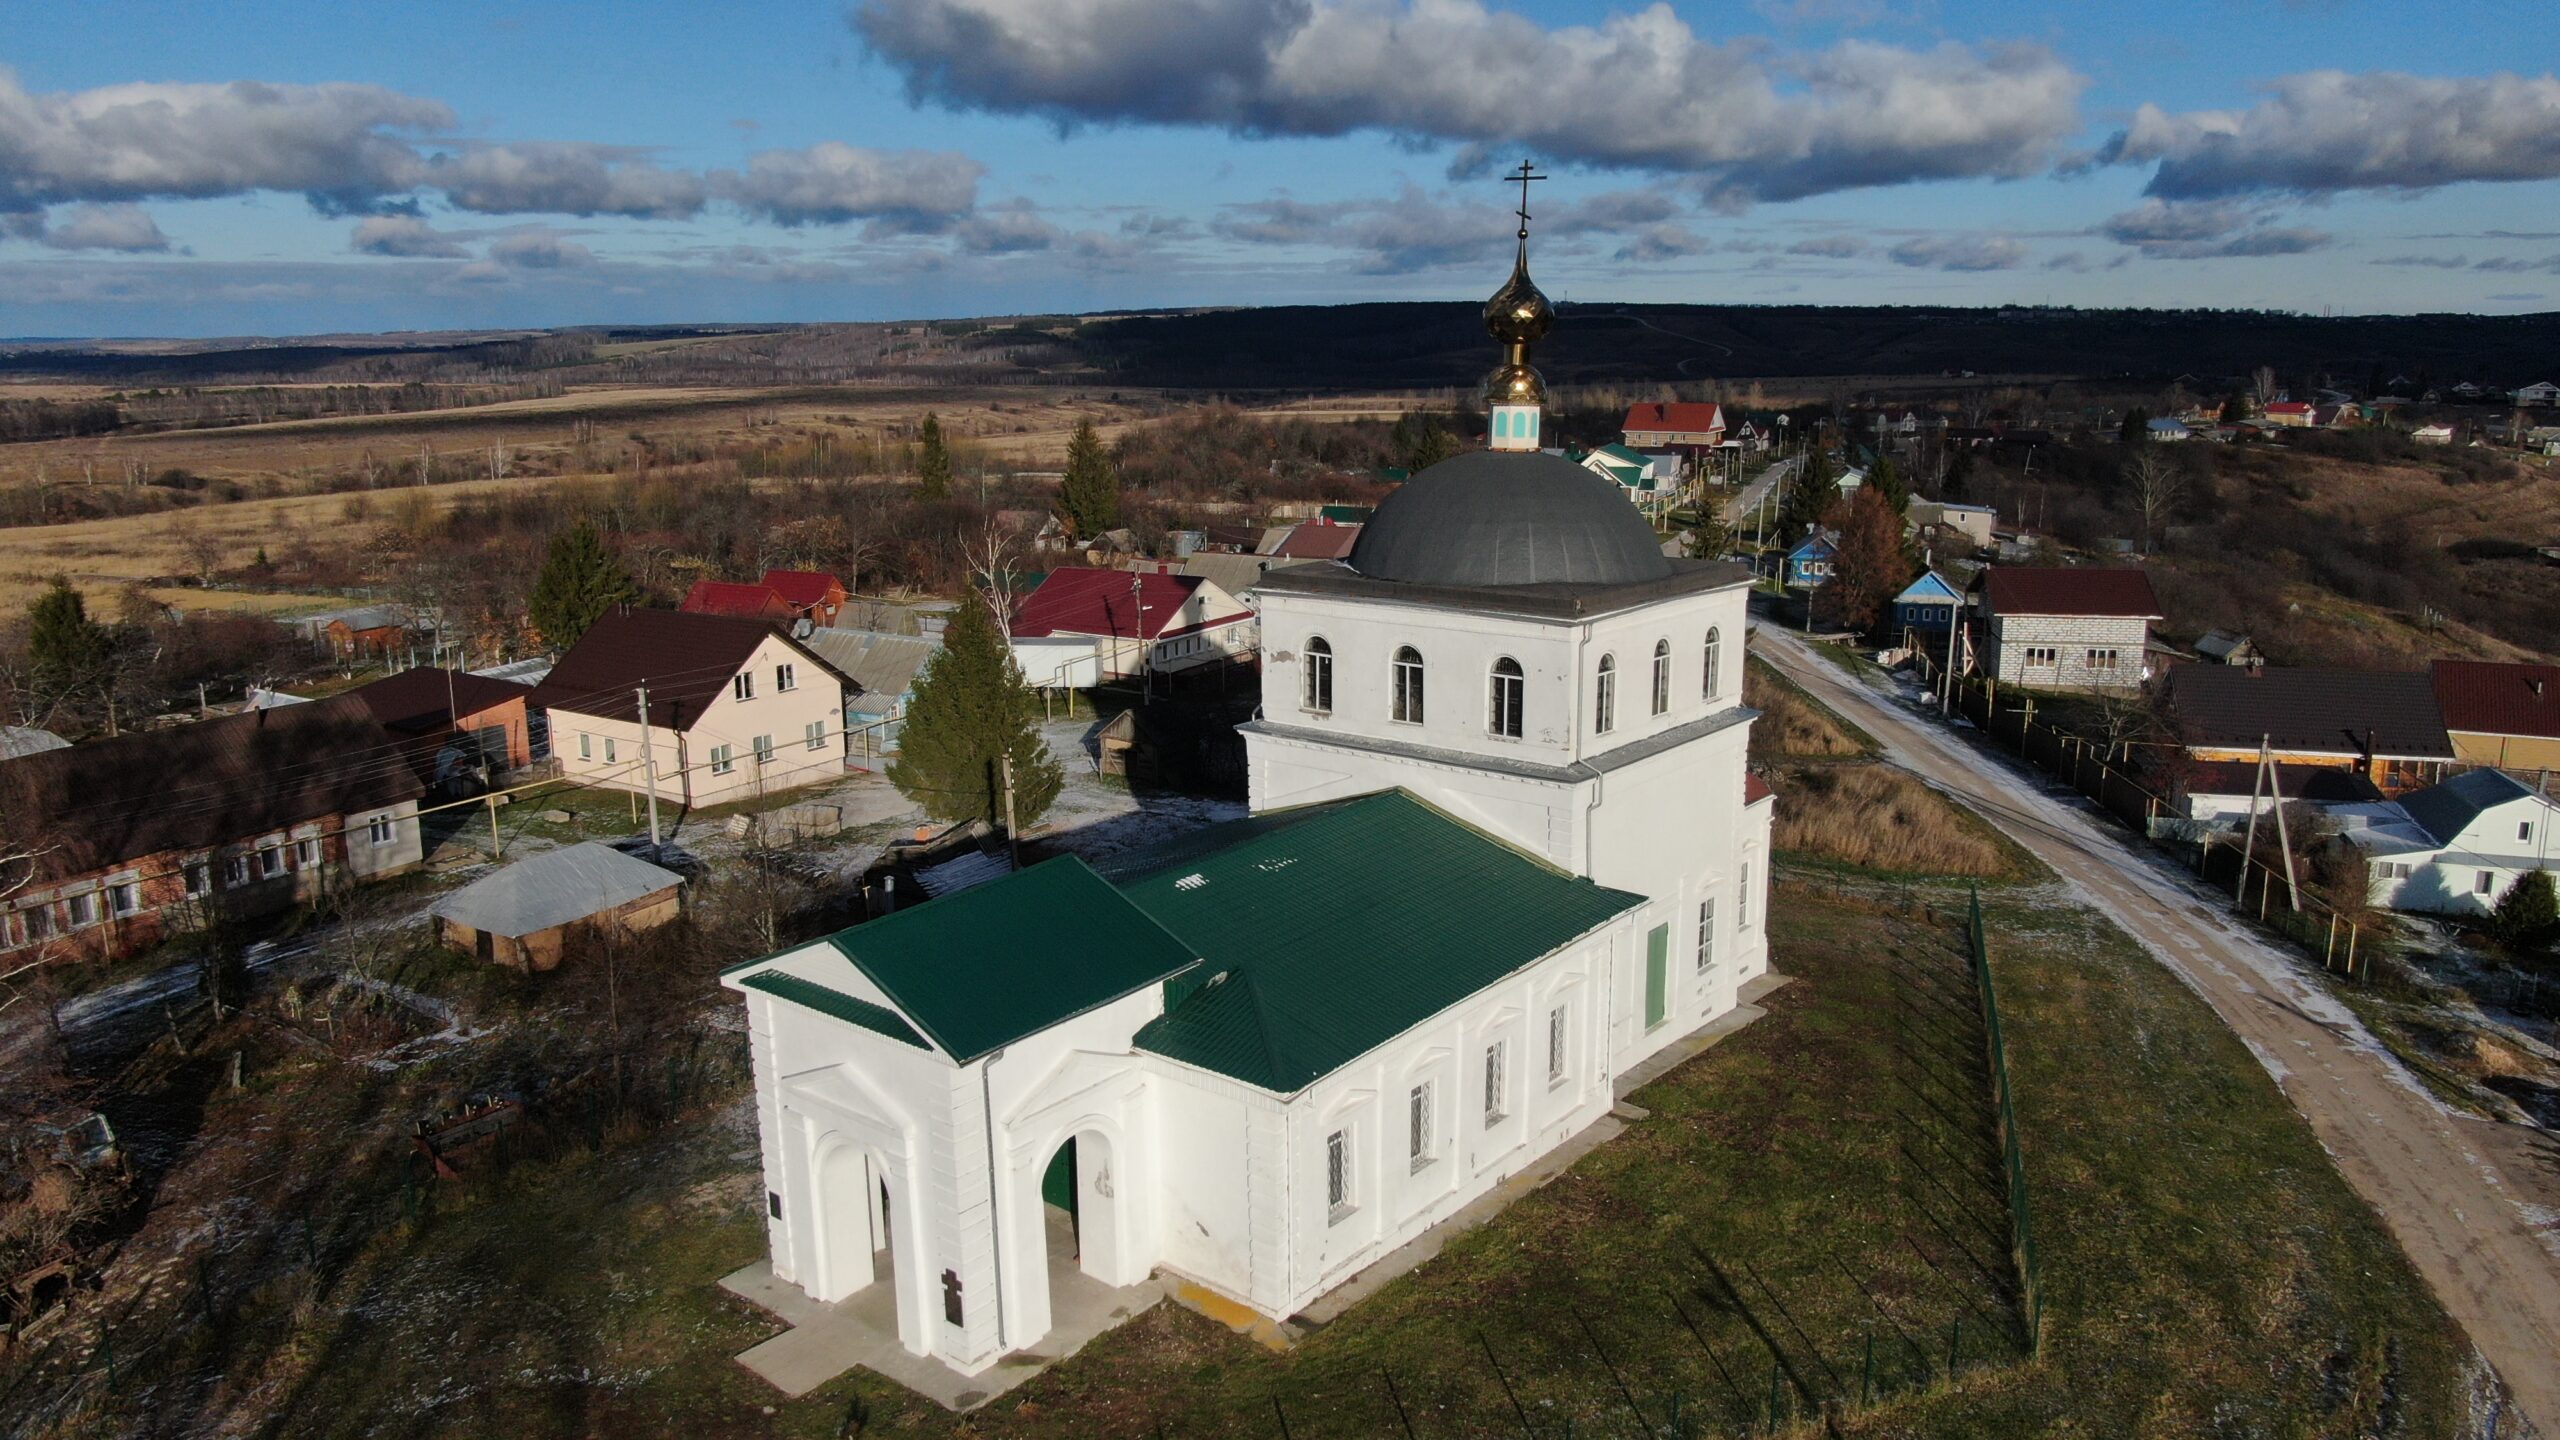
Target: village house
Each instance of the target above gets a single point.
(2220, 792)
(2506, 715)
(736, 708)
(2540, 392)
(1316, 540)
(463, 723)
(1957, 530)
(1924, 614)
(2383, 725)
(2221, 647)
(1085, 626)
(2066, 628)
(146, 835)
(2458, 847)
(813, 595)
(738, 599)
(1674, 425)
(2296, 414)
(1640, 477)
(1503, 852)
(2438, 433)
(880, 671)
(529, 912)
(370, 632)
(1809, 564)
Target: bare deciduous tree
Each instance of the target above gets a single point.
(2159, 483)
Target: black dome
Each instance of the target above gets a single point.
(1504, 518)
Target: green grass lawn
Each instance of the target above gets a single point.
(1823, 1179)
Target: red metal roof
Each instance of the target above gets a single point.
(2483, 697)
(1083, 600)
(2290, 407)
(803, 588)
(727, 597)
(2068, 590)
(1314, 541)
(1691, 415)
(1754, 789)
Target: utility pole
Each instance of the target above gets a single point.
(649, 761)
(1012, 842)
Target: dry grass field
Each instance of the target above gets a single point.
(1877, 817)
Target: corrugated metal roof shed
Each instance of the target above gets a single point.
(554, 888)
(1327, 931)
(17, 740)
(882, 666)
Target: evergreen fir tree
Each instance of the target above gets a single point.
(970, 708)
(67, 652)
(1091, 494)
(2528, 915)
(1809, 496)
(933, 461)
(2136, 427)
(579, 582)
(1711, 538)
(1885, 478)
(1433, 442)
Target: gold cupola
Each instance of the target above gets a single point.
(1516, 317)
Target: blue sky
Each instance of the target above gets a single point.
(285, 168)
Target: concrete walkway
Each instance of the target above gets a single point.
(825, 1341)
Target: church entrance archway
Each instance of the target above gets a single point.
(1079, 1206)
(846, 1229)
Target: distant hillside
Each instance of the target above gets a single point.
(1368, 347)
(1396, 346)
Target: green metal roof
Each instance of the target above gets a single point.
(810, 995)
(1327, 931)
(980, 969)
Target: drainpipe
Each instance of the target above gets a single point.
(995, 1185)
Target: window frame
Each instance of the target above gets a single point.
(306, 852)
(724, 759)
(236, 869)
(1315, 683)
(1661, 677)
(1406, 677)
(609, 757)
(1604, 696)
(815, 733)
(1714, 661)
(761, 747)
(196, 878)
(586, 746)
(1497, 1080)
(1507, 713)
(270, 861)
(1706, 935)
(2101, 657)
(124, 898)
(742, 686)
(1742, 901)
(1341, 1177)
(1559, 1043)
(1421, 1142)
(382, 829)
(82, 909)
(786, 678)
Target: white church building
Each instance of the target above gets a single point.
(1503, 849)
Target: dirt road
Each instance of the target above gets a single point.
(2492, 1265)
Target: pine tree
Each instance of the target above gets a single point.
(2528, 915)
(1433, 442)
(1809, 496)
(579, 582)
(1711, 538)
(971, 708)
(67, 652)
(1091, 494)
(2136, 427)
(933, 462)
(1885, 478)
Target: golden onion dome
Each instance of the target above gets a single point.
(1518, 313)
(1515, 383)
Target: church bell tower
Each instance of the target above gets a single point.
(1517, 316)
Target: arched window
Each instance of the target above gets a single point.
(1604, 707)
(1408, 686)
(1715, 653)
(1510, 687)
(1661, 676)
(1319, 676)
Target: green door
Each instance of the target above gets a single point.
(1657, 974)
(1058, 1182)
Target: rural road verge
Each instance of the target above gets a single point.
(2493, 1264)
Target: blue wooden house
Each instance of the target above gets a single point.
(1926, 607)
(1810, 563)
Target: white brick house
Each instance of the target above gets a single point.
(2066, 628)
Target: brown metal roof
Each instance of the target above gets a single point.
(95, 805)
(2069, 590)
(2484, 697)
(428, 698)
(685, 660)
(2333, 712)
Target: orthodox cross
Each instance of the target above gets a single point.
(1522, 179)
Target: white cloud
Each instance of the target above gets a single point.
(340, 144)
(2326, 131)
(539, 249)
(1637, 91)
(1960, 252)
(831, 183)
(1835, 247)
(120, 227)
(556, 177)
(405, 236)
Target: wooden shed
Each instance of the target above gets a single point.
(525, 914)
